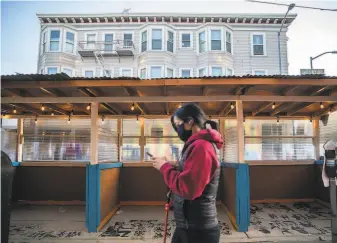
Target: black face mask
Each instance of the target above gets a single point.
(183, 134)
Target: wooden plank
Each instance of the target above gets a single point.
(282, 200)
(161, 99)
(315, 140)
(19, 140)
(94, 134)
(240, 132)
(108, 217)
(261, 108)
(168, 82)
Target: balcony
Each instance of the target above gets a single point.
(100, 50)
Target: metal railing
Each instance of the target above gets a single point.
(106, 46)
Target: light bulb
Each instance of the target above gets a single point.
(88, 107)
(180, 105)
(273, 106)
(68, 120)
(14, 111)
(102, 119)
(322, 106)
(133, 107)
(35, 120)
(42, 108)
(137, 119)
(232, 106)
(278, 119)
(52, 113)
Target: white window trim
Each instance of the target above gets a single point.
(231, 32)
(60, 49)
(260, 70)
(181, 39)
(46, 69)
(65, 67)
(162, 37)
(264, 44)
(206, 71)
(210, 39)
(181, 69)
(170, 67)
(232, 69)
(44, 51)
(103, 38)
(65, 39)
(147, 39)
(125, 68)
(109, 69)
(89, 69)
(86, 37)
(140, 69)
(129, 32)
(206, 41)
(162, 71)
(223, 70)
(174, 40)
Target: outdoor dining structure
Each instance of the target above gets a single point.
(80, 141)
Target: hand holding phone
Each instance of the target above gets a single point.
(150, 155)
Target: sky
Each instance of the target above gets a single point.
(312, 33)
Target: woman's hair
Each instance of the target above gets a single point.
(193, 111)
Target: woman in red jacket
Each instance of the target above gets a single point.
(194, 179)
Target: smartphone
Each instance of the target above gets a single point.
(151, 156)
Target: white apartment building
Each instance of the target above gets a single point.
(162, 45)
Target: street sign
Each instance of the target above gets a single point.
(312, 71)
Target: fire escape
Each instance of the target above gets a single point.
(102, 50)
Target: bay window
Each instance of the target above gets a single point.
(228, 42)
(52, 70)
(169, 73)
(229, 72)
(185, 73)
(170, 40)
(44, 42)
(186, 40)
(157, 39)
(202, 72)
(144, 41)
(88, 73)
(143, 73)
(54, 40)
(155, 72)
(70, 42)
(259, 72)
(68, 71)
(216, 40)
(216, 71)
(202, 42)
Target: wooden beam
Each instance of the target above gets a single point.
(226, 109)
(331, 108)
(8, 83)
(91, 93)
(24, 108)
(94, 134)
(161, 99)
(262, 108)
(132, 94)
(240, 132)
(166, 105)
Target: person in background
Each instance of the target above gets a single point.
(194, 180)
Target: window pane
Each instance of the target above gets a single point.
(259, 72)
(258, 50)
(216, 71)
(169, 147)
(202, 72)
(229, 72)
(91, 37)
(186, 40)
(107, 37)
(144, 36)
(89, 74)
(155, 72)
(143, 73)
(52, 70)
(170, 73)
(202, 37)
(144, 46)
(156, 45)
(156, 34)
(170, 36)
(216, 45)
(228, 42)
(130, 149)
(130, 127)
(70, 36)
(69, 47)
(126, 73)
(186, 73)
(127, 40)
(54, 45)
(55, 35)
(169, 46)
(258, 39)
(68, 71)
(215, 34)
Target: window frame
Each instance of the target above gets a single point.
(162, 38)
(206, 72)
(90, 33)
(65, 41)
(173, 69)
(113, 38)
(132, 39)
(182, 69)
(69, 68)
(231, 32)
(216, 66)
(181, 40)
(140, 72)
(259, 70)
(173, 41)
(141, 41)
(198, 41)
(229, 68)
(60, 39)
(47, 67)
(125, 68)
(221, 39)
(89, 69)
(252, 44)
(44, 43)
(161, 71)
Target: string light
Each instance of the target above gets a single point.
(273, 106)
(88, 107)
(232, 106)
(14, 111)
(72, 112)
(43, 133)
(133, 107)
(278, 119)
(180, 105)
(36, 120)
(244, 119)
(42, 108)
(322, 106)
(137, 120)
(330, 110)
(311, 119)
(52, 113)
(102, 119)
(68, 119)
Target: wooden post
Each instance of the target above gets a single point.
(94, 134)
(315, 140)
(142, 139)
(119, 136)
(19, 140)
(240, 132)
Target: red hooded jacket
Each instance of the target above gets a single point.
(199, 166)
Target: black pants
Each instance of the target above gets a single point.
(196, 236)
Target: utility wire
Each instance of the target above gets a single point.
(297, 6)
